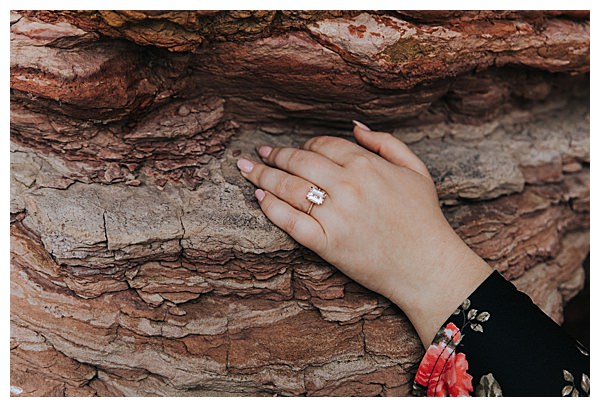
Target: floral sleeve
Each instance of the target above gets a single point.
(499, 343)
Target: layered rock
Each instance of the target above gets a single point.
(141, 263)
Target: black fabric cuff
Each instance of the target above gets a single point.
(506, 334)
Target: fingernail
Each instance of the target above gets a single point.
(259, 194)
(245, 165)
(362, 126)
(264, 151)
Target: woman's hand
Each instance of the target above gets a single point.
(380, 223)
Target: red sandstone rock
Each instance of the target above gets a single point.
(140, 261)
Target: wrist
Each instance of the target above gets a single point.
(453, 273)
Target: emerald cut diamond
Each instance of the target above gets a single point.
(316, 196)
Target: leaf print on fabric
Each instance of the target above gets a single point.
(470, 316)
(476, 327)
(483, 317)
(582, 349)
(585, 383)
(570, 389)
(488, 387)
(568, 376)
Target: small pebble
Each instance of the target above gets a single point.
(177, 311)
(183, 111)
(202, 173)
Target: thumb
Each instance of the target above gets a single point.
(389, 147)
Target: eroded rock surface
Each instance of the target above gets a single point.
(141, 263)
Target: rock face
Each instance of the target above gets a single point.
(141, 263)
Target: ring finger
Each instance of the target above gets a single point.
(287, 187)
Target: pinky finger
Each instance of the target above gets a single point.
(301, 227)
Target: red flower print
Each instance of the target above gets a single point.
(456, 377)
(451, 334)
(443, 372)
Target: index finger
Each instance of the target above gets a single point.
(313, 167)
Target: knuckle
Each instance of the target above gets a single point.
(361, 161)
(349, 188)
(273, 155)
(295, 156)
(283, 186)
(354, 189)
(309, 143)
(290, 224)
(321, 141)
(266, 204)
(317, 143)
(260, 174)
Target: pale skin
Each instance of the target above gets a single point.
(380, 224)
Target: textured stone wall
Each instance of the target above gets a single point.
(141, 263)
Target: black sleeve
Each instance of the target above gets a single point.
(499, 343)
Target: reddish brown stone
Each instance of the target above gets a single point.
(141, 264)
(296, 341)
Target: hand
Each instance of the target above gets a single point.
(380, 224)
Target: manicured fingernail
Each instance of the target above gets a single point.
(362, 126)
(264, 151)
(259, 194)
(245, 165)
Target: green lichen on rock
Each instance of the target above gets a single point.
(406, 50)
